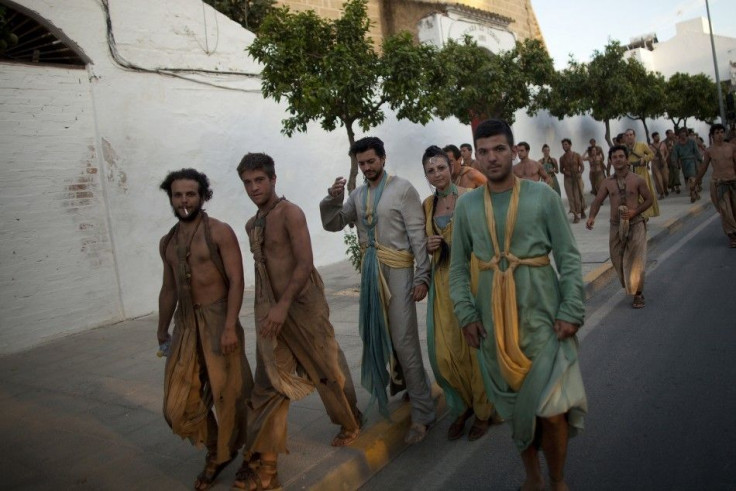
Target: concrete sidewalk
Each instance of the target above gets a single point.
(84, 411)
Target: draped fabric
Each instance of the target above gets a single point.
(304, 355)
(453, 362)
(373, 321)
(553, 383)
(723, 196)
(197, 375)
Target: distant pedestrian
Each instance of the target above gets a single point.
(660, 167)
(463, 175)
(640, 155)
(571, 164)
(524, 316)
(551, 168)
(673, 183)
(528, 168)
(688, 157)
(723, 180)
(594, 156)
(630, 198)
(466, 151)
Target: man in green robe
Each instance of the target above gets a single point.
(525, 315)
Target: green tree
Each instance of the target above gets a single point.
(498, 84)
(329, 71)
(247, 13)
(691, 96)
(649, 94)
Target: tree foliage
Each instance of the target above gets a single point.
(649, 93)
(691, 96)
(328, 71)
(490, 85)
(247, 13)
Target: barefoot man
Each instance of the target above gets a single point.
(297, 350)
(528, 168)
(722, 155)
(571, 164)
(630, 198)
(206, 365)
(527, 349)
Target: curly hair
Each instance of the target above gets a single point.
(192, 174)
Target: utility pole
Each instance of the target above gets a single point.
(715, 65)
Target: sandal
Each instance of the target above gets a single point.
(638, 302)
(345, 437)
(457, 428)
(249, 476)
(732, 243)
(211, 470)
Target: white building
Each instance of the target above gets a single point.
(689, 51)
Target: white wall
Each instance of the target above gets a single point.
(70, 261)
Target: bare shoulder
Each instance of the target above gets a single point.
(220, 230)
(249, 224)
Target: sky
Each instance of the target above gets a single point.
(579, 28)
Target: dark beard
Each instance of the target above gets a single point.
(187, 218)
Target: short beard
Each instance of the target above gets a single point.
(187, 218)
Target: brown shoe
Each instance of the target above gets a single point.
(478, 429)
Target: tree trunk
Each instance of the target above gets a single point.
(607, 136)
(353, 161)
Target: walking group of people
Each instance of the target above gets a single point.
(501, 321)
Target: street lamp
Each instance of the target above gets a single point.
(715, 65)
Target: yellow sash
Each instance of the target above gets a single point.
(514, 365)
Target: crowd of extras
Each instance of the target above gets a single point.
(496, 356)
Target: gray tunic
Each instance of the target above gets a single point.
(401, 227)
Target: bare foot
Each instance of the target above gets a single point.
(558, 486)
(533, 484)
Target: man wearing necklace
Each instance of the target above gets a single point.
(390, 223)
(454, 363)
(630, 198)
(206, 365)
(527, 350)
(296, 347)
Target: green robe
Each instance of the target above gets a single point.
(554, 384)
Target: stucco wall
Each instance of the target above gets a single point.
(78, 248)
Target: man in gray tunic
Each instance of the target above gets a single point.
(390, 221)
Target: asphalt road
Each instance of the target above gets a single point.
(661, 385)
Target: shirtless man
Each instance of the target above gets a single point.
(528, 168)
(660, 166)
(673, 183)
(206, 365)
(293, 330)
(723, 180)
(466, 150)
(463, 175)
(594, 156)
(630, 197)
(571, 165)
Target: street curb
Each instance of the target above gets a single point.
(376, 447)
(597, 279)
(379, 444)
